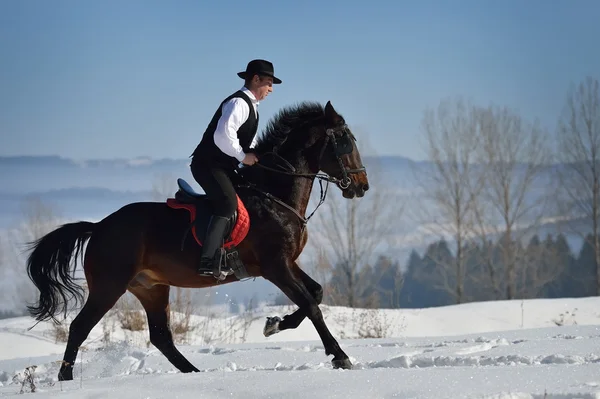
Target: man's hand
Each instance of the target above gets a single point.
(250, 159)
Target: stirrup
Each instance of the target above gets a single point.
(214, 269)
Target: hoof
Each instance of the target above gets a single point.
(271, 326)
(65, 374)
(345, 364)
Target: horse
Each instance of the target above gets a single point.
(144, 248)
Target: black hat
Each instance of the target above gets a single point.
(259, 67)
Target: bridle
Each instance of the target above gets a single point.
(342, 145)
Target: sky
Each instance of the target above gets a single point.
(111, 79)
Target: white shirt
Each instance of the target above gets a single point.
(233, 115)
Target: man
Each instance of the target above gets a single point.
(227, 141)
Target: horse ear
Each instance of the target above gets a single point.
(331, 114)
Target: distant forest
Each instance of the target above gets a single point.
(544, 269)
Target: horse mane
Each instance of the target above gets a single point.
(288, 118)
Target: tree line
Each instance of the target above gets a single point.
(546, 268)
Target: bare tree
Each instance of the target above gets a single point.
(513, 155)
(451, 185)
(39, 218)
(579, 153)
(484, 184)
(347, 234)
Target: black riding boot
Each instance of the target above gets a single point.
(211, 247)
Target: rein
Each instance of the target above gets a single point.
(273, 198)
(343, 183)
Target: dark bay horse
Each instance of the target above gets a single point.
(139, 247)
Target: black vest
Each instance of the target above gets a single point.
(208, 152)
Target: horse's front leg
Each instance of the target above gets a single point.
(280, 273)
(275, 324)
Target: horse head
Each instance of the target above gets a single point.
(340, 156)
(310, 138)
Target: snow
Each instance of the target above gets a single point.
(542, 348)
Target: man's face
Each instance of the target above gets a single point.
(263, 85)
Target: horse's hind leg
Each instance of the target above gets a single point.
(96, 306)
(155, 301)
(274, 325)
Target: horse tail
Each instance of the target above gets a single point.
(48, 267)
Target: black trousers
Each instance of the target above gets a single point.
(216, 181)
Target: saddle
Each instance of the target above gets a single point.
(200, 211)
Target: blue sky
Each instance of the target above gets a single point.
(105, 79)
